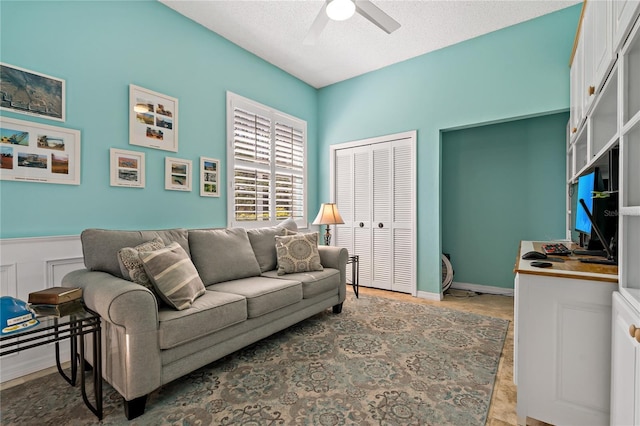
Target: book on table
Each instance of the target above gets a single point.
(58, 309)
(55, 295)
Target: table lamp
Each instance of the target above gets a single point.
(328, 215)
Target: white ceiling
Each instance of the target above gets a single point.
(274, 30)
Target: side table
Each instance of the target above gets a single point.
(55, 329)
(354, 261)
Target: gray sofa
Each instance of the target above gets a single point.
(146, 343)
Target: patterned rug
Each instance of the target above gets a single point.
(379, 362)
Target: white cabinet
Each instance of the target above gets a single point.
(624, 12)
(576, 87)
(563, 341)
(374, 187)
(625, 364)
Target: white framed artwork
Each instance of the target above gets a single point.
(209, 177)
(177, 174)
(127, 168)
(153, 119)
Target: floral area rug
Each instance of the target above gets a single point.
(379, 362)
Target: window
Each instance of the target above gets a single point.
(266, 164)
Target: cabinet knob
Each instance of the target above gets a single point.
(575, 129)
(634, 332)
(591, 90)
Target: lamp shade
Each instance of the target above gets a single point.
(328, 215)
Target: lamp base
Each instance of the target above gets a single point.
(327, 236)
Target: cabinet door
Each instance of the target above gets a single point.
(624, 12)
(576, 86)
(601, 42)
(625, 365)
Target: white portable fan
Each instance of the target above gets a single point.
(447, 273)
(340, 10)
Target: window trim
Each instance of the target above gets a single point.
(236, 101)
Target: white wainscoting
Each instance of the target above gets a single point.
(31, 264)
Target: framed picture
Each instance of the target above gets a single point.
(153, 119)
(209, 177)
(177, 174)
(127, 168)
(32, 93)
(35, 152)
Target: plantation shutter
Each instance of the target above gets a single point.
(267, 166)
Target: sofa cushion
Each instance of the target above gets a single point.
(209, 313)
(223, 255)
(263, 242)
(263, 295)
(313, 283)
(173, 275)
(131, 266)
(100, 246)
(298, 253)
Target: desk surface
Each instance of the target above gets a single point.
(570, 268)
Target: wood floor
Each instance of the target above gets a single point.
(503, 402)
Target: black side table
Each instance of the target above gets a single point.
(354, 261)
(55, 329)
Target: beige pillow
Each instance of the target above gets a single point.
(131, 265)
(173, 275)
(298, 253)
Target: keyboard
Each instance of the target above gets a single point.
(557, 249)
(598, 261)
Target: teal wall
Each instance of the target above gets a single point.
(99, 48)
(501, 184)
(519, 71)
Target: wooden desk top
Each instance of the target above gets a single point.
(570, 268)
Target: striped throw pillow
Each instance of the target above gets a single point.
(173, 275)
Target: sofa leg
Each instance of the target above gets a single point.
(135, 407)
(337, 308)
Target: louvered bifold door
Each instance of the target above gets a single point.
(381, 225)
(403, 220)
(343, 234)
(362, 211)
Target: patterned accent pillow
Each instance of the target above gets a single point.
(298, 253)
(131, 265)
(173, 275)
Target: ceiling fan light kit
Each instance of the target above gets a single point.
(340, 10)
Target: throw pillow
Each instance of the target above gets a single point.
(298, 253)
(173, 275)
(131, 265)
(263, 242)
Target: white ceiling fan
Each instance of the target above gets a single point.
(340, 10)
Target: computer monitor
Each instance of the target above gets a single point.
(586, 184)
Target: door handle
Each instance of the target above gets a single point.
(361, 225)
(380, 225)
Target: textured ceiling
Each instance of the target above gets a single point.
(274, 30)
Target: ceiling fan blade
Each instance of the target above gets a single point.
(376, 16)
(316, 28)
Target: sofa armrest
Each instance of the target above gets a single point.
(336, 257)
(118, 301)
(130, 344)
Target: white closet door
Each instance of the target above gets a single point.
(362, 211)
(403, 223)
(381, 256)
(343, 234)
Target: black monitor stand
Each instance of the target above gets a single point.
(610, 260)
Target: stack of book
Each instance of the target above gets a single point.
(56, 301)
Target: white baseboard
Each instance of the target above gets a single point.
(429, 296)
(478, 288)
